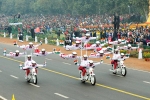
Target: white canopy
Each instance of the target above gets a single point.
(15, 23)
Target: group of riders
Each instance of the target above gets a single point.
(98, 48)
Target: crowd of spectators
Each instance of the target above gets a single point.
(70, 24)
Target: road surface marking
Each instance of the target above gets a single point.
(61, 95)
(0, 71)
(131, 68)
(14, 76)
(146, 82)
(66, 63)
(48, 59)
(34, 85)
(2, 98)
(139, 70)
(104, 86)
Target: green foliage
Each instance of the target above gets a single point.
(106, 45)
(134, 54)
(123, 51)
(146, 55)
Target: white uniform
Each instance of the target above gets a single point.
(94, 46)
(73, 47)
(127, 48)
(122, 58)
(28, 65)
(11, 54)
(69, 56)
(27, 47)
(97, 55)
(40, 53)
(83, 39)
(84, 63)
(116, 56)
(116, 42)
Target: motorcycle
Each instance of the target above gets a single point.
(89, 76)
(32, 75)
(121, 68)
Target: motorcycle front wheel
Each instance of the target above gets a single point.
(93, 80)
(35, 79)
(123, 71)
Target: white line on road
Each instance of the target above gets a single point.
(0, 71)
(2, 98)
(131, 68)
(61, 95)
(66, 63)
(14, 76)
(48, 59)
(34, 85)
(146, 82)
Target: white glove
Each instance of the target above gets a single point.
(20, 67)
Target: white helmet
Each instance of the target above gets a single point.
(122, 54)
(28, 55)
(119, 40)
(77, 41)
(17, 51)
(129, 45)
(33, 62)
(43, 50)
(101, 51)
(97, 42)
(87, 34)
(30, 43)
(85, 56)
(91, 61)
(116, 50)
(74, 53)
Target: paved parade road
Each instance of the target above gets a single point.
(60, 81)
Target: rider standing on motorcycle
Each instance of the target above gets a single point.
(74, 46)
(115, 58)
(70, 56)
(30, 46)
(43, 53)
(100, 54)
(15, 54)
(29, 64)
(84, 64)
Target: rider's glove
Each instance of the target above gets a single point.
(93, 66)
(75, 63)
(20, 67)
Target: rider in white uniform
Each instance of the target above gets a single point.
(43, 53)
(29, 47)
(16, 54)
(70, 56)
(115, 59)
(74, 46)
